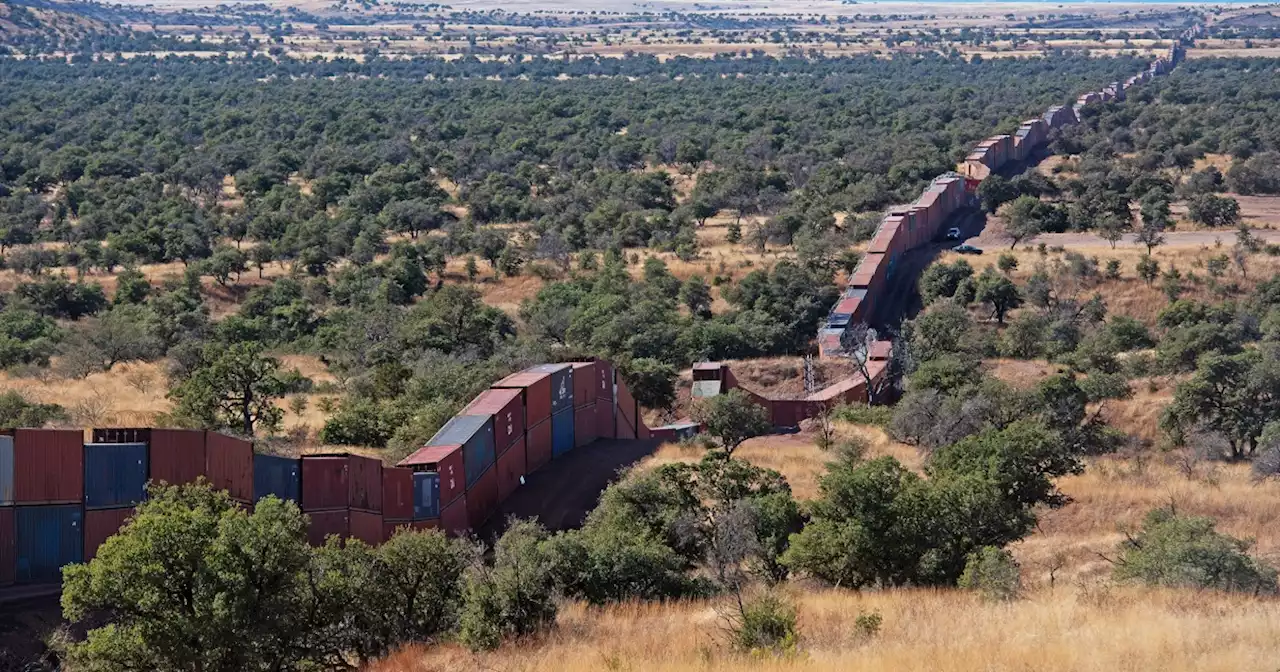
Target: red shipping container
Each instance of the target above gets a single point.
(8, 546)
(506, 405)
(625, 430)
(538, 446)
(48, 466)
(366, 484)
(537, 394)
(482, 499)
(326, 481)
(177, 456)
(604, 380)
(230, 465)
(453, 518)
(366, 526)
(642, 430)
(325, 523)
(627, 407)
(584, 426)
(585, 384)
(397, 493)
(605, 428)
(511, 467)
(101, 524)
(444, 460)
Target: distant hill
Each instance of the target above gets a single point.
(26, 24)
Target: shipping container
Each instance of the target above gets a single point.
(277, 476)
(561, 384)
(538, 446)
(8, 546)
(627, 409)
(604, 380)
(624, 428)
(48, 466)
(230, 465)
(100, 525)
(453, 518)
(426, 495)
(605, 428)
(443, 460)
(367, 527)
(6, 470)
(121, 435)
(366, 484)
(511, 468)
(482, 498)
(562, 432)
(585, 384)
(507, 408)
(48, 538)
(397, 493)
(177, 456)
(326, 482)
(475, 434)
(584, 425)
(115, 474)
(324, 524)
(537, 394)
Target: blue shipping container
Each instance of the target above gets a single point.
(426, 496)
(279, 476)
(561, 384)
(115, 474)
(562, 432)
(49, 537)
(475, 434)
(6, 470)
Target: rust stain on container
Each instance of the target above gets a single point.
(48, 466)
(230, 465)
(100, 525)
(177, 456)
(397, 493)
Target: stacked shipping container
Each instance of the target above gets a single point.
(342, 495)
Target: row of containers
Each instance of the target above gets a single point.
(519, 425)
(62, 496)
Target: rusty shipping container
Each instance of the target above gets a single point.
(367, 527)
(511, 468)
(100, 525)
(366, 484)
(230, 465)
(506, 405)
(482, 498)
(48, 466)
(443, 460)
(177, 456)
(628, 409)
(585, 384)
(604, 380)
(475, 434)
(538, 446)
(584, 425)
(561, 384)
(326, 523)
(605, 428)
(8, 546)
(537, 394)
(326, 482)
(397, 493)
(453, 518)
(115, 475)
(625, 430)
(6, 470)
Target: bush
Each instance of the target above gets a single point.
(993, 572)
(1098, 386)
(16, 411)
(513, 598)
(1187, 552)
(765, 623)
(880, 416)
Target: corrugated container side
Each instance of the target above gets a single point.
(453, 518)
(507, 408)
(366, 484)
(584, 384)
(115, 474)
(230, 463)
(326, 523)
(8, 546)
(624, 428)
(475, 433)
(538, 446)
(278, 476)
(604, 378)
(367, 527)
(397, 493)
(511, 468)
(426, 496)
(100, 525)
(48, 538)
(605, 427)
(562, 432)
(584, 425)
(48, 466)
(177, 456)
(445, 461)
(325, 482)
(482, 499)
(537, 394)
(561, 388)
(6, 470)
(627, 408)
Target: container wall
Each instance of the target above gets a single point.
(230, 465)
(367, 527)
(6, 470)
(538, 446)
(584, 425)
(562, 432)
(561, 386)
(453, 518)
(48, 466)
(326, 523)
(177, 456)
(397, 493)
(115, 474)
(482, 499)
(366, 484)
(453, 482)
(278, 476)
(507, 408)
(325, 482)
(475, 434)
(627, 409)
(426, 496)
(48, 538)
(605, 428)
(537, 394)
(100, 525)
(122, 434)
(511, 468)
(604, 380)
(585, 384)
(8, 546)
(625, 430)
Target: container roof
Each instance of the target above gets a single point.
(429, 455)
(707, 366)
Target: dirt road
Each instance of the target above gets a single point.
(993, 240)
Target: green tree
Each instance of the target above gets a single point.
(997, 291)
(1188, 552)
(1148, 269)
(651, 382)
(236, 387)
(131, 286)
(1022, 219)
(513, 598)
(696, 296)
(731, 418)
(1232, 395)
(1212, 210)
(16, 411)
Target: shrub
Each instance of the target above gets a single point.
(1098, 386)
(513, 598)
(16, 411)
(1186, 551)
(993, 572)
(764, 623)
(880, 416)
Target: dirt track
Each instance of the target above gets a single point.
(1173, 238)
